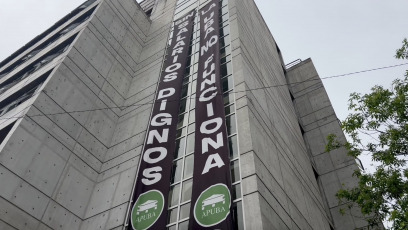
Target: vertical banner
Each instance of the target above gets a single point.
(211, 197)
(149, 207)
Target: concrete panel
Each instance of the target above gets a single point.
(87, 157)
(21, 194)
(106, 220)
(126, 156)
(102, 196)
(58, 217)
(342, 222)
(253, 214)
(36, 162)
(124, 186)
(118, 169)
(5, 226)
(92, 144)
(123, 148)
(331, 186)
(13, 216)
(76, 59)
(46, 105)
(74, 191)
(298, 217)
(119, 78)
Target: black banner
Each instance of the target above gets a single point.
(149, 207)
(211, 197)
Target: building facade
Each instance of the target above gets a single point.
(76, 103)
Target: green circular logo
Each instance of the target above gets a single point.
(147, 209)
(213, 205)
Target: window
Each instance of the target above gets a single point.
(5, 131)
(149, 12)
(46, 43)
(22, 95)
(42, 61)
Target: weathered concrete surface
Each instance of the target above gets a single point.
(75, 170)
(318, 120)
(280, 189)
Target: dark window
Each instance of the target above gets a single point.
(22, 95)
(5, 131)
(301, 130)
(46, 43)
(42, 61)
(86, 4)
(291, 96)
(149, 12)
(315, 174)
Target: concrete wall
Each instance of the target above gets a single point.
(318, 120)
(60, 169)
(280, 190)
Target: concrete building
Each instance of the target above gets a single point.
(76, 103)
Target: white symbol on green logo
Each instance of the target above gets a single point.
(147, 209)
(213, 205)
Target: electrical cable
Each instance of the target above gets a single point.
(240, 91)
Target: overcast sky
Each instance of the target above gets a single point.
(341, 36)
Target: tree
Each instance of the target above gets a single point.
(378, 126)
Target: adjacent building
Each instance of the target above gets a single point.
(76, 103)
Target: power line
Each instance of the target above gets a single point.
(240, 91)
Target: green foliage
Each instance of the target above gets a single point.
(378, 126)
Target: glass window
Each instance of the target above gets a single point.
(224, 41)
(231, 125)
(5, 131)
(193, 101)
(183, 225)
(194, 86)
(86, 4)
(224, 52)
(235, 171)
(187, 188)
(184, 91)
(176, 171)
(40, 62)
(181, 132)
(190, 143)
(187, 71)
(186, 79)
(189, 166)
(226, 69)
(172, 227)
(182, 120)
(224, 30)
(191, 128)
(229, 109)
(228, 98)
(180, 144)
(172, 217)
(227, 83)
(225, 59)
(31, 54)
(191, 116)
(237, 216)
(233, 147)
(46, 43)
(185, 211)
(236, 191)
(22, 95)
(174, 195)
(183, 105)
